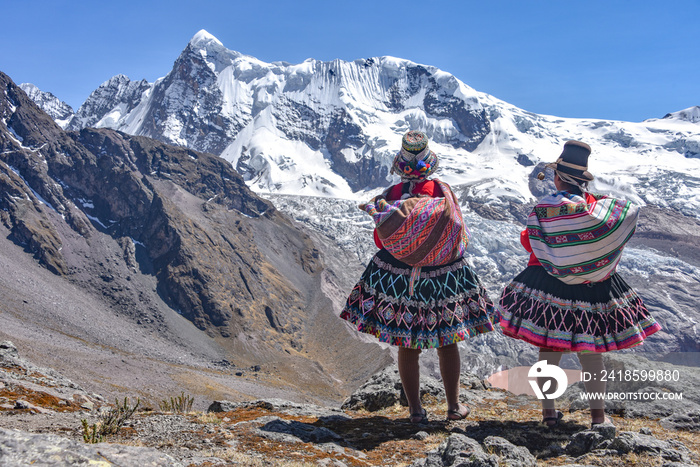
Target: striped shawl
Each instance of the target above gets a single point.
(579, 242)
(421, 231)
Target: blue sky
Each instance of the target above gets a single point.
(617, 60)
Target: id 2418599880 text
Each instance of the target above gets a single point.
(631, 375)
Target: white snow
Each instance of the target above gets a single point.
(14, 135)
(203, 38)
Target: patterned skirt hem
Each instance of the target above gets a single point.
(597, 317)
(561, 341)
(420, 339)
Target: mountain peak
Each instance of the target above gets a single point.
(52, 105)
(203, 39)
(26, 87)
(691, 114)
(120, 78)
(211, 50)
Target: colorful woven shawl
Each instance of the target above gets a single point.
(577, 241)
(421, 231)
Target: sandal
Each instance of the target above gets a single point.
(556, 419)
(419, 418)
(457, 415)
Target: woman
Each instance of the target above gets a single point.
(418, 291)
(569, 298)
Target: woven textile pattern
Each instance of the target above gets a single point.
(417, 229)
(448, 305)
(605, 316)
(428, 231)
(577, 241)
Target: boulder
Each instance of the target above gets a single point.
(683, 421)
(384, 390)
(630, 442)
(460, 450)
(294, 431)
(21, 448)
(508, 453)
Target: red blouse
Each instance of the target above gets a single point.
(426, 187)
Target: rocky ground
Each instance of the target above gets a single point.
(42, 413)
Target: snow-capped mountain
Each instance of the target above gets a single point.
(107, 103)
(332, 128)
(61, 112)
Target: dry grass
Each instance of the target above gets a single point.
(208, 418)
(36, 398)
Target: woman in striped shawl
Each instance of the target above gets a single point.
(419, 291)
(569, 298)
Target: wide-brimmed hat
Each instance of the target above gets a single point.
(573, 163)
(415, 161)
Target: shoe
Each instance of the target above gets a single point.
(457, 415)
(419, 418)
(559, 415)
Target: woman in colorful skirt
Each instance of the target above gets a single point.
(419, 291)
(569, 298)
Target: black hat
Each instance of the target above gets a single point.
(573, 162)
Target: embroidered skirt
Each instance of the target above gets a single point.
(598, 317)
(448, 304)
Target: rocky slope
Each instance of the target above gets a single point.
(136, 236)
(41, 415)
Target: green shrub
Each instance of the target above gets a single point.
(180, 404)
(91, 434)
(110, 422)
